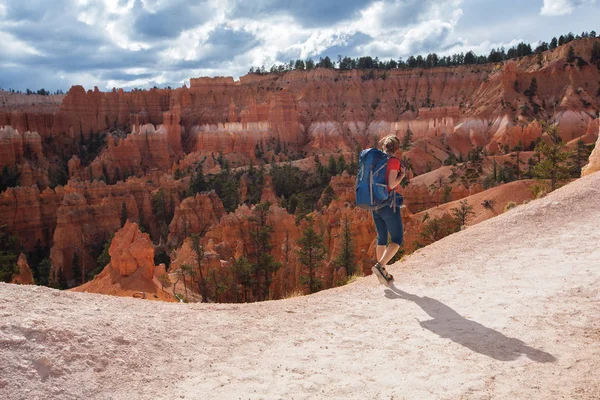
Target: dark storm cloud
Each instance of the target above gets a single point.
(404, 12)
(168, 22)
(236, 40)
(32, 77)
(84, 58)
(61, 37)
(223, 44)
(63, 43)
(433, 42)
(309, 13)
(117, 75)
(32, 10)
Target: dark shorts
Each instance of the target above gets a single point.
(388, 221)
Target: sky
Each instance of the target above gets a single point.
(54, 44)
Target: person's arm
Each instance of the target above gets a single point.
(395, 177)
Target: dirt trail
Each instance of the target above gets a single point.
(507, 309)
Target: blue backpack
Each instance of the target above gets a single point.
(371, 181)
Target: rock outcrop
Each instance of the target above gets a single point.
(195, 215)
(131, 270)
(24, 276)
(132, 252)
(29, 214)
(594, 164)
(14, 146)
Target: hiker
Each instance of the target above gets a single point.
(388, 219)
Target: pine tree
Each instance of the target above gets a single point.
(177, 175)
(595, 58)
(243, 272)
(579, 158)
(124, 214)
(292, 204)
(197, 182)
(220, 285)
(434, 230)
(332, 166)
(407, 140)
(9, 253)
(76, 270)
(37, 262)
(159, 210)
(302, 209)
(462, 213)
(346, 258)
(227, 185)
(341, 164)
(447, 195)
(200, 253)
(186, 270)
(532, 89)
(43, 271)
(311, 254)
(553, 163)
(263, 262)
(570, 54)
(104, 257)
(328, 195)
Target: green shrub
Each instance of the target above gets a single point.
(509, 205)
(538, 191)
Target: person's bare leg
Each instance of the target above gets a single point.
(379, 250)
(388, 254)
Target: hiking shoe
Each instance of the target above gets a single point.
(382, 275)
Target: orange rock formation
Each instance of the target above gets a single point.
(594, 164)
(131, 270)
(24, 276)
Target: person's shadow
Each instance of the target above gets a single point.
(447, 323)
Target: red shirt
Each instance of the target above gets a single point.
(393, 164)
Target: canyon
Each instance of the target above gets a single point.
(93, 164)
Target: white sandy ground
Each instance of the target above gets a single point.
(507, 309)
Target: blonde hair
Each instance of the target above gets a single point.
(390, 144)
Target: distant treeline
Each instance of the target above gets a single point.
(41, 92)
(429, 61)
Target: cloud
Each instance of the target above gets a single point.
(170, 20)
(32, 11)
(34, 78)
(398, 13)
(118, 75)
(403, 28)
(347, 45)
(223, 44)
(552, 8)
(332, 43)
(309, 13)
(62, 38)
